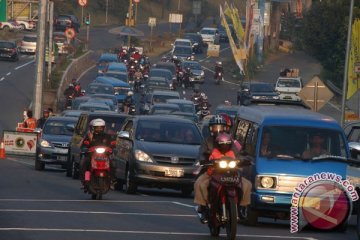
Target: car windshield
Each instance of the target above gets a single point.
(192, 65)
(187, 108)
(183, 50)
(163, 98)
(160, 73)
(93, 89)
(111, 98)
(261, 88)
(208, 31)
(182, 43)
(120, 76)
(94, 107)
(29, 39)
(169, 132)
(7, 45)
(57, 127)
(290, 83)
(291, 142)
(121, 90)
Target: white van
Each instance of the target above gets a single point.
(210, 35)
(289, 88)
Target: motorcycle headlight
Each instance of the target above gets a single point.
(44, 143)
(100, 150)
(223, 164)
(232, 164)
(142, 156)
(267, 182)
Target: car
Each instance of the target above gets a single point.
(104, 61)
(105, 96)
(61, 42)
(71, 113)
(156, 96)
(94, 106)
(114, 122)
(186, 115)
(289, 88)
(182, 42)
(197, 73)
(156, 83)
(196, 40)
(9, 51)
(63, 22)
(163, 108)
(28, 44)
(185, 105)
(53, 143)
(114, 68)
(161, 72)
(254, 91)
(118, 75)
(230, 110)
(210, 35)
(167, 66)
(102, 88)
(25, 24)
(10, 26)
(182, 52)
(153, 151)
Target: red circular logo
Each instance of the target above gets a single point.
(70, 33)
(325, 205)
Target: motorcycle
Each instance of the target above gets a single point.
(196, 100)
(97, 180)
(132, 109)
(68, 101)
(224, 194)
(204, 110)
(137, 84)
(219, 77)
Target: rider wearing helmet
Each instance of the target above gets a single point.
(218, 68)
(221, 140)
(69, 91)
(128, 101)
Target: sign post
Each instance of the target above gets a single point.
(196, 9)
(82, 3)
(151, 23)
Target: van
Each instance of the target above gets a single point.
(104, 61)
(121, 88)
(289, 88)
(278, 138)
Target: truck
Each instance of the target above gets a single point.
(289, 84)
(24, 12)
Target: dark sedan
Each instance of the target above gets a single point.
(256, 91)
(196, 40)
(157, 151)
(9, 51)
(54, 141)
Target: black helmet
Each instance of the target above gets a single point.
(217, 124)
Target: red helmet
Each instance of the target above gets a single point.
(223, 142)
(228, 120)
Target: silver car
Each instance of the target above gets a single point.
(28, 44)
(197, 73)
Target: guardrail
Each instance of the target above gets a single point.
(333, 88)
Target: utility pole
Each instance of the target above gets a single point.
(40, 59)
(181, 20)
(345, 85)
(106, 11)
(50, 54)
(130, 20)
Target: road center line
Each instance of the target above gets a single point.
(2, 79)
(24, 64)
(8, 74)
(146, 232)
(94, 212)
(183, 204)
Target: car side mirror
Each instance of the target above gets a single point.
(124, 134)
(354, 149)
(70, 127)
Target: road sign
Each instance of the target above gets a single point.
(196, 7)
(152, 22)
(82, 3)
(70, 33)
(213, 50)
(315, 94)
(175, 18)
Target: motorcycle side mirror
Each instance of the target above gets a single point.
(87, 143)
(37, 130)
(113, 143)
(123, 134)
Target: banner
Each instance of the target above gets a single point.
(233, 13)
(354, 59)
(237, 53)
(20, 143)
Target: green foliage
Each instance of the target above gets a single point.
(322, 33)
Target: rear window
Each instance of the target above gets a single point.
(163, 98)
(7, 45)
(208, 31)
(29, 39)
(182, 50)
(113, 123)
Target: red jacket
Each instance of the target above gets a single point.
(216, 154)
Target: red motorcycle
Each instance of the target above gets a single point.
(98, 179)
(224, 194)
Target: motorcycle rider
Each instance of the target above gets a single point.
(217, 125)
(128, 101)
(30, 121)
(218, 68)
(98, 137)
(136, 55)
(69, 91)
(41, 121)
(186, 78)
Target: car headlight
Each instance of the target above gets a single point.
(232, 164)
(44, 143)
(202, 73)
(223, 164)
(142, 156)
(276, 97)
(255, 97)
(267, 182)
(100, 150)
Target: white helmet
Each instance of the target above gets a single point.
(98, 125)
(130, 93)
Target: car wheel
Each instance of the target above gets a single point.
(252, 217)
(130, 186)
(186, 191)
(22, 27)
(6, 28)
(39, 166)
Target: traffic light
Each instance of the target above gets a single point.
(87, 19)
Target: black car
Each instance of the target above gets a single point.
(196, 40)
(256, 91)
(157, 83)
(63, 22)
(9, 51)
(157, 151)
(114, 122)
(164, 108)
(166, 65)
(53, 143)
(156, 96)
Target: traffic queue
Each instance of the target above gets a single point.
(130, 127)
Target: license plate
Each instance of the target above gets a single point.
(62, 151)
(61, 158)
(174, 172)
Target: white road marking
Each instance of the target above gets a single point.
(8, 74)
(201, 60)
(95, 212)
(31, 164)
(183, 204)
(146, 232)
(2, 79)
(24, 64)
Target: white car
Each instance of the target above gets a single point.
(26, 25)
(210, 35)
(289, 88)
(182, 42)
(9, 26)
(28, 44)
